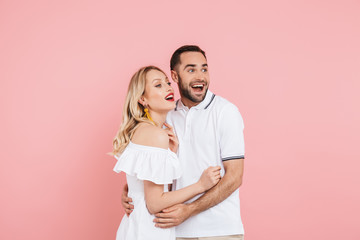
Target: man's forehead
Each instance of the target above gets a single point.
(196, 58)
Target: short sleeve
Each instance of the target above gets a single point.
(157, 165)
(231, 131)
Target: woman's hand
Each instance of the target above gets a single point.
(210, 177)
(173, 140)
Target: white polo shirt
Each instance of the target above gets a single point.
(209, 133)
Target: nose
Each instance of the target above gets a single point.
(169, 88)
(200, 75)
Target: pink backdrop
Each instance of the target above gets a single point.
(292, 68)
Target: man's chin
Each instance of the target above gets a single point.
(198, 97)
(194, 96)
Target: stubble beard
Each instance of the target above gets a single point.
(186, 92)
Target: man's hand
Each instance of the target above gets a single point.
(125, 201)
(172, 216)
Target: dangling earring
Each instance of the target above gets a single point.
(147, 114)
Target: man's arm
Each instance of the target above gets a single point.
(228, 184)
(126, 201)
(231, 181)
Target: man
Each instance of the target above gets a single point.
(210, 132)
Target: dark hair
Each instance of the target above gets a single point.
(175, 58)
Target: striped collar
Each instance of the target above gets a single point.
(209, 97)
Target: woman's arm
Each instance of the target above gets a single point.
(156, 199)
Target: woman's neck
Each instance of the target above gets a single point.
(158, 118)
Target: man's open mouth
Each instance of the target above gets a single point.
(198, 87)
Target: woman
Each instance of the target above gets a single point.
(146, 153)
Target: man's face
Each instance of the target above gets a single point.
(192, 77)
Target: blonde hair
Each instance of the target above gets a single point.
(133, 111)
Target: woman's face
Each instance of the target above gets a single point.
(159, 95)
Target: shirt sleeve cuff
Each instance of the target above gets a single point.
(233, 157)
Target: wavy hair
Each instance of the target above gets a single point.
(133, 111)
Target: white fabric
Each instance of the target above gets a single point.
(209, 133)
(157, 165)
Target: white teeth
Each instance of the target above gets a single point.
(198, 85)
(169, 97)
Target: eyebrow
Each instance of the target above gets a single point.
(159, 79)
(194, 65)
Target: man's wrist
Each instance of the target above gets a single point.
(191, 209)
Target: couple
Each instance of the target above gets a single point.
(189, 180)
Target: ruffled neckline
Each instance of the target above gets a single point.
(154, 164)
(145, 147)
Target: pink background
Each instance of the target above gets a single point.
(292, 68)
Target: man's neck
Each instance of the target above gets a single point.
(188, 103)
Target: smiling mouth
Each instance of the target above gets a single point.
(170, 97)
(198, 87)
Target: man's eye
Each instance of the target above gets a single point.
(204, 70)
(158, 85)
(191, 70)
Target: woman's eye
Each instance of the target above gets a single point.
(169, 83)
(158, 85)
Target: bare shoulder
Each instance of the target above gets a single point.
(150, 135)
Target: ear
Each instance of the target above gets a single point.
(142, 101)
(174, 76)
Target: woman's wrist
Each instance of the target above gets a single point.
(200, 187)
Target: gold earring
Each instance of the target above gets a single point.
(147, 114)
